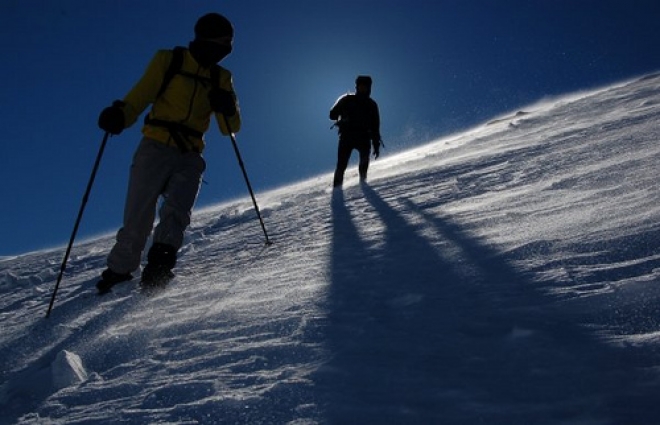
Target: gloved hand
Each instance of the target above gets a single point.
(112, 118)
(376, 144)
(222, 102)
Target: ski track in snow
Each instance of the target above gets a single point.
(504, 275)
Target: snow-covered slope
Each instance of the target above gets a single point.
(505, 275)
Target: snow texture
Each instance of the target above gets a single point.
(508, 274)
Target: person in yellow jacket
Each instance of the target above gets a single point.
(168, 162)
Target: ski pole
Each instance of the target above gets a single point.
(80, 214)
(247, 181)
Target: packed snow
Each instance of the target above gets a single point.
(505, 275)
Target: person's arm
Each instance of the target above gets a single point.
(375, 130)
(146, 89)
(227, 84)
(375, 124)
(336, 110)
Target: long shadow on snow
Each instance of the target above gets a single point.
(459, 338)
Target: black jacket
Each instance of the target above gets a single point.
(357, 118)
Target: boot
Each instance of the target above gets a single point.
(161, 259)
(110, 278)
(156, 275)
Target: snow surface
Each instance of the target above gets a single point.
(505, 275)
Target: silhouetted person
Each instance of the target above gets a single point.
(358, 121)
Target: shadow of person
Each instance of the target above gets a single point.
(389, 322)
(440, 329)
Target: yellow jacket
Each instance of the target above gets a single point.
(184, 101)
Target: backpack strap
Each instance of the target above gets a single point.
(179, 132)
(173, 69)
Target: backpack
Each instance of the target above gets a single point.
(179, 132)
(175, 68)
(356, 115)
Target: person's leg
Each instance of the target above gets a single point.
(179, 199)
(148, 176)
(343, 157)
(365, 152)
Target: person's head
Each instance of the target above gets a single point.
(214, 37)
(363, 85)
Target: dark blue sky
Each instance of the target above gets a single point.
(438, 67)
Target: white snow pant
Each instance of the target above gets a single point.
(157, 170)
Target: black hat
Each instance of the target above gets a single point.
(363, 79)
(213, 25)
